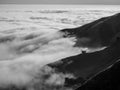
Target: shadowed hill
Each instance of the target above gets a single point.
(107, 80)
(97, 33)
(84, 66)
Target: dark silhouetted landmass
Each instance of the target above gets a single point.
(84, 66)
(107, 80)
(97, 33)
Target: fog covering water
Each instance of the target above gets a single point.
(30, 39)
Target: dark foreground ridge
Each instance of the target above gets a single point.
(97, 33)
(102, 32)
(87, 65)
(107, 80)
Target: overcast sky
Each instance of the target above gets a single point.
(108, 2)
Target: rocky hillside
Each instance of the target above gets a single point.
(92, 70)
(97, 33)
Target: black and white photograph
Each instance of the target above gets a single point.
(59, 44)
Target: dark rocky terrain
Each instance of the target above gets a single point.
(97, 33)
(87, 65)
(107, 80)
(91, 69)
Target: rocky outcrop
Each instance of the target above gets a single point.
(97, 33)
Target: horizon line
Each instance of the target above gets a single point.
(58, 4)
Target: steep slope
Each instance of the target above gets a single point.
(107, 80)
(87, 65)
(97, 33)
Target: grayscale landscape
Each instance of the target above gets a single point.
(31, 38)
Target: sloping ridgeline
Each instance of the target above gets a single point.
(107, 80)
(103, 32)
(97, 33)
(87, 65)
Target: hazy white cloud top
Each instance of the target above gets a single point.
(108, 2)
(30, 39)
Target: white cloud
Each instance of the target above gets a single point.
(22, 68)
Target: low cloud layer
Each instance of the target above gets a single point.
(23, 57)
(30, 39)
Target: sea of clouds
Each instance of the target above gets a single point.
(31, 39)
(23, 57)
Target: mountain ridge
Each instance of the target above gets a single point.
(98, 33)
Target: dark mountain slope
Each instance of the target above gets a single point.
(97, 33)
(107, 80)
(84, 66)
